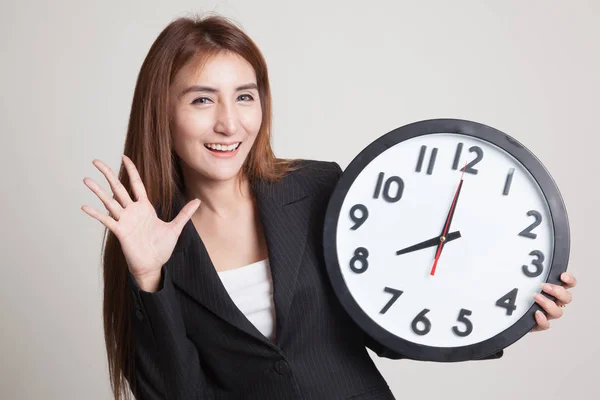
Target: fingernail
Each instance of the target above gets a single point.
(547, 287)
(538, 313)
(538, 297)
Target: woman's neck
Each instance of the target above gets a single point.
(222, 199)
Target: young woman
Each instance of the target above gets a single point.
(215, 283)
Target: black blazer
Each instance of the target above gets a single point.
(192, 342)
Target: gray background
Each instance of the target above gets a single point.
(343, 73)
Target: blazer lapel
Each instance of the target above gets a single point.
(285, 214)
(285, 217)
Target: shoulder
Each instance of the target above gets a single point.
(315, 175)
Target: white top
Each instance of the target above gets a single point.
(251, 289)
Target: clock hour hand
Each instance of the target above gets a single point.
(429, 243)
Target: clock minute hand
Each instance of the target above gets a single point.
(429, 243)
(448, 222)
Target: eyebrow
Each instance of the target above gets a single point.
(199, 88)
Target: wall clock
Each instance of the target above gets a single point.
(438, 235)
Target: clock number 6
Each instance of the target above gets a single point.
(462, 317)
(360, 254)
(423, 319)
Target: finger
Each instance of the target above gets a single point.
(542, 322)
(562, 295)
(568, 279)
(184, 215)
(552, 310)
(134, 177)
(116, 185)
(109, 202)
(106, 220)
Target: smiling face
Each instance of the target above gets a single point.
(215, 116)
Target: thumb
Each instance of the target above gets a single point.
(184, 216)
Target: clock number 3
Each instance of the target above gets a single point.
(538, 264)
(360, 255)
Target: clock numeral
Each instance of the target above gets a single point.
(508, 301)
(462, 317)
(508, 181)
(539, 267)
(431, 159)
(469, 167)
(423, 319)
(360, 254)
(387, 186)
(358, 219)
(527, 231)
(395, 295)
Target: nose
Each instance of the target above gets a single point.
(226, 119)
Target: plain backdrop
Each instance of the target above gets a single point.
(343, 73)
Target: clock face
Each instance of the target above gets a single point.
(403, 281)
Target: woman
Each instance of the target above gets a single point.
(215, 284)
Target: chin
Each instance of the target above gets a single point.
(218, 172)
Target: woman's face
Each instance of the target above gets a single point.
(215, 116)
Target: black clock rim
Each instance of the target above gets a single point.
(549, 189)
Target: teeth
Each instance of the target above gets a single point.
(220, 147)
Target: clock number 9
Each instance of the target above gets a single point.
(386, 188)
(358, 220)
(421, 318)
(539, 267)
(360, 254)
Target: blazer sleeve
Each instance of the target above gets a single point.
(377, 347)
(167, 365)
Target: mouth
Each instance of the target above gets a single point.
(222, 147)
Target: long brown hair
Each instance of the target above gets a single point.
(148, 145)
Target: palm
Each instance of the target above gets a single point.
(147, 241)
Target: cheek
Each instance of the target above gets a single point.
(252, 122)
(187, 128)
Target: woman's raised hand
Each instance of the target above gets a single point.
(147, 241)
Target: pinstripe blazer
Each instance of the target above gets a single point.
(192, 342)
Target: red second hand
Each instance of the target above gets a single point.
(439, 249)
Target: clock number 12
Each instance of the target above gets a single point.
(469, 167)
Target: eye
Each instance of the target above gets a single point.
(250, 98)
(196, 101)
